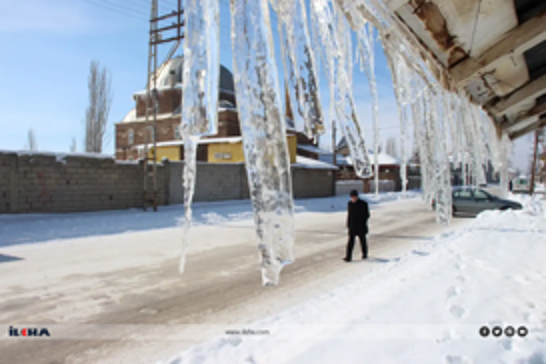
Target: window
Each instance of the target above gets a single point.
(131, 136)
(222, 155)
(463, 195)
(481, 195)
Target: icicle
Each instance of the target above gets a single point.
(190, 173)
(264, 134)
(299, 61)
(200, 89)
(338, 80)
(367, 59)
(505, 148)
(399, 74)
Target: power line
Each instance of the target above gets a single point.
(117, 9)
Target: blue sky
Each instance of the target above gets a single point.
(48, 46)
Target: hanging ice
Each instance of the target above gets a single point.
(367, 62)
(299, 67)
(201, 77)
(338, 80)
(264, 135)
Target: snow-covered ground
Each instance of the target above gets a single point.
(33, 228)
(426, 307)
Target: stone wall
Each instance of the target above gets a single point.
(49, 183)
(53, 183)
(228, 181)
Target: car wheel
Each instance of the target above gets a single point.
(504, 208)
(453, 211)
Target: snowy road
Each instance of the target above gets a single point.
(127, 284)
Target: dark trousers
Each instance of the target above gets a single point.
(351, 244)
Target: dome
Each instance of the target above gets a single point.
(175, 66)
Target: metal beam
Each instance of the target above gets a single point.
(517, 41)
(533, 113)
(530, 90)
(540, 123)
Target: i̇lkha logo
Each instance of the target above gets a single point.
(13, 331)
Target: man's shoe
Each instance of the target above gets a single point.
(347, 260)
(365, 257)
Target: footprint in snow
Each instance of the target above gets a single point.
(457, 311)
(420, 253)
(447, 336)
(458, 359)
(461, 278)
(507, 344)
(453, 291)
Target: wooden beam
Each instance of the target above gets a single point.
(535, 112)
(517, 41)
(530, 90)
(395, 4)
(540, 123)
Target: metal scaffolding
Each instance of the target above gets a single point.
(157, 29)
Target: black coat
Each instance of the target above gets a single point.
(357, 217)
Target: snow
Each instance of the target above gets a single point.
(312, 163)
(31, 228)
(384, 159)
(231, 140)
(426, 306)
(313, 149)
(59, 156)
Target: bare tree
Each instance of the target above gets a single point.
(73, 146)
(392, 147)
(100, 101)
(31, 140)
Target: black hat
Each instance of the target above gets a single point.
(354, 193)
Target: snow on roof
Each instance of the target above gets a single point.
(312, 163)
(236, 139)
(313, 149)
(384, 159)
(132, 118)
(58, 154)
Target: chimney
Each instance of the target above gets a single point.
(172, 77)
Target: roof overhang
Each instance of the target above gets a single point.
(495, 50)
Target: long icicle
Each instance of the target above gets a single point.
(299, 64)
(338, 80)
(367, 59)
(264, 134)
(201, 78)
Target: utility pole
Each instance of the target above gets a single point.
(534, 165)
(152, 93)
(334, 158)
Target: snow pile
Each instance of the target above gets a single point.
(532, 205)
(427, 306)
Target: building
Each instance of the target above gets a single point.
(130, 132)
(212, 150)
(224, 147)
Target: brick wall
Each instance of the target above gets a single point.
(46, 183)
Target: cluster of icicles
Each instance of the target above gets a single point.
(446, 126)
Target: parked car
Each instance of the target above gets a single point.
(470, 200)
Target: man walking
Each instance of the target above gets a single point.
(357, 223)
